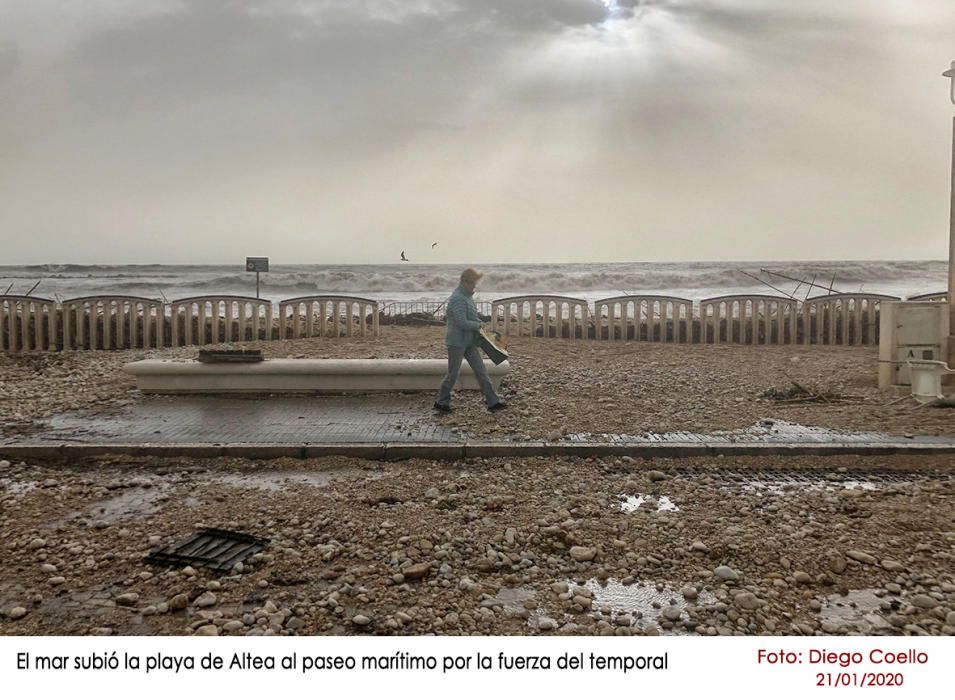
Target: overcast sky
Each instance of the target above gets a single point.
(332, 131)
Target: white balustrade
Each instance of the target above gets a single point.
(756, 319)
(217, 319)
(323, 315)
(112, 323)
(525, 315)
(27, 323)
(842, 319)
(648, 316)
(930, 296)
(115, 322)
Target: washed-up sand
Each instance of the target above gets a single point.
(767, 546)
(556, 387)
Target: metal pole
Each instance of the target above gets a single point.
(257, 284)
(951, 259)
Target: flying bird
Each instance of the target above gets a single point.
(403, 258)
(434, 244)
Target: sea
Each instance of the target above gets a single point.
(411, 282)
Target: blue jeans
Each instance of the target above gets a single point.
(473, 356)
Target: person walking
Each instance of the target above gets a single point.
(460, 339)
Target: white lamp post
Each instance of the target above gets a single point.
(951, 237)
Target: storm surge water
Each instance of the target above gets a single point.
(411, 282)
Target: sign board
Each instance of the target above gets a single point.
(256, 264)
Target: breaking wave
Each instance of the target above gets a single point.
(434, 281)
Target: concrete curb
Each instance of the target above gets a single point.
(457, 451)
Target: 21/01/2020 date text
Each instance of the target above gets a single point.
(858, 680)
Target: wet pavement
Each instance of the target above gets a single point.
(324, 419)
(391, 418)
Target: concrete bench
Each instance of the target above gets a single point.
(292, 376)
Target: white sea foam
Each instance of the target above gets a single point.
(432, 282)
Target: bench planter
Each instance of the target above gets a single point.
(297, 376)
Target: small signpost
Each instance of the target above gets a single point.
(257, 265)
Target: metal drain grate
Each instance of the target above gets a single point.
(210, 547)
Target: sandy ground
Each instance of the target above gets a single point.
(768, 546)
(556, 387)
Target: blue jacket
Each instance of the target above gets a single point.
(463, 319)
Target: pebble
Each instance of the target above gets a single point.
(361, 620)
(17, 612)
(656, 475)
(924, 601)
(206, 600)
(897, 620)
(802, 577)
(578, 553)
(836, 563)
(207, 631)
(725, 573)
(748, 601)
(416, 571)
(672, 613)
(546, 623)
(860, 556)
(127, 599)
(178, 602)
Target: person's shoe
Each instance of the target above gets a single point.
(443, 409)
(500, 405)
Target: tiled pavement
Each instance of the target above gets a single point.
(386, 418)
(318, 419)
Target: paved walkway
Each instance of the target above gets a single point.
(386, 426)
(326, 419)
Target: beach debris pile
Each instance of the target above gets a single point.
(486, 546)
(798, 393)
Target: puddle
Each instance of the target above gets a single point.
(74, 612)
(779, 486)
(770, 431)
(280, 481)
(664, 504)
(859, 611)
(513, 601)
(638, 599)
(130, 504)
(512, 598)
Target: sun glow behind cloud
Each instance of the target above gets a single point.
(637, 128)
